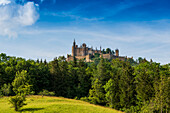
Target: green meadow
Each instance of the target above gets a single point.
(37, 104)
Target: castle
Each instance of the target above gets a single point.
(86, 53)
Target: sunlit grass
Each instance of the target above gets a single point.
(37, 104)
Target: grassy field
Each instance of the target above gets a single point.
(37, 104)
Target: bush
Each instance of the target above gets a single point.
(1, 95)
(76, 98)
(86, 99)
(46, 93)
(17, 102)
(6, 89)
(51, 93)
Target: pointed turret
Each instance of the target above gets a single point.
(73, 48)
(74, 43)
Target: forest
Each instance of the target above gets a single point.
(130, 86)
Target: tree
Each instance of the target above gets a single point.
(21, 89)
(39, 75)
(38, 61)
(147, 75)
(126, 86)
(162, 91)
(59, 76)
(120, 88)
(21, 84)
(84, 83)
(6, 89)
(100, 77)
(17, 102)
(45, 62)
(103, 51)
(112, 93)
(72, 80)
(108, 50)
(144, 82)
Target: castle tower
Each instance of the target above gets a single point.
(84, 49)
(73, 48)
(117, 52)
(100, 49)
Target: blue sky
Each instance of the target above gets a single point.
(46, 28)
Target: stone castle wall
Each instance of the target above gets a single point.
(86, 53)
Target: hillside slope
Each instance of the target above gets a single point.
(37, 104)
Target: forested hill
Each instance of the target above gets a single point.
(141, 86)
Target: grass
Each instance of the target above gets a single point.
(37, 104)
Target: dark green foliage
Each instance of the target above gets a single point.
(145, 75)
(46, 93)
(83, 80)
(17, 102)
(162, 91)
(20, 84)
(100, 77)
(21, 89)
(59, 76)
(126, 86)
(6, 89)
(130, 86)
(108, 50)
(120, 88)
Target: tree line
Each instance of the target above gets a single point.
(130, 86)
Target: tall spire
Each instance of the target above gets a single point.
(73, 48)
(74, 43)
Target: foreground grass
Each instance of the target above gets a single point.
(37, 104)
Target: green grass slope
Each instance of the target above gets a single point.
(37, 104)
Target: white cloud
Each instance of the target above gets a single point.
(137, 40)
(4, 2)
(13, 17)
(27, 14)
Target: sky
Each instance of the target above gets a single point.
(45, 29)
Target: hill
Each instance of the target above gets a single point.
(47, 104)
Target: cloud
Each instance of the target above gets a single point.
(13, 17)
(93, 10)
(4, 2)
(133, 39)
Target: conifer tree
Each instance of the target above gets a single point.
(162, 91)
(101, 76)
(21, 89)
(127, 94)
(144, 82)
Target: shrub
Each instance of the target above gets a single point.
(86, 99)
(46, 93)
(17, 102)
(1, 95)
(21, 89)
(76, 98)
(6, 89)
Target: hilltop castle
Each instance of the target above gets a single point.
(86, 53)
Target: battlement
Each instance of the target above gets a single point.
(86, 53)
